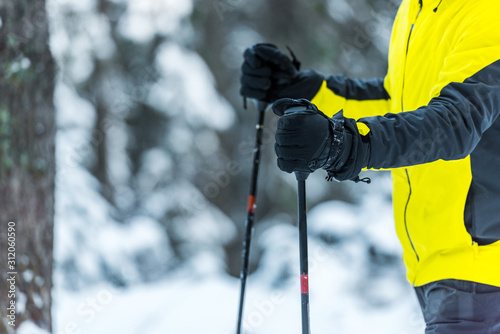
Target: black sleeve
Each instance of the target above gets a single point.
(357, 89)
(448, 128)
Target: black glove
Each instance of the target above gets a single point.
(306, 140)
(268, 74)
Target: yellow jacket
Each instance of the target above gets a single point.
(433, 120)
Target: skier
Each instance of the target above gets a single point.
(433, 121)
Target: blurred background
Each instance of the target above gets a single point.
(153, 163)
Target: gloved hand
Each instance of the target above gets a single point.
(268, 74)
(307, 140)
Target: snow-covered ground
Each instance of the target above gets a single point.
(343, 299)
(351, 292)
(191, 305)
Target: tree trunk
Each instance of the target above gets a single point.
(27, 164)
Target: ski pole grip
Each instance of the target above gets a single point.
(301, 176)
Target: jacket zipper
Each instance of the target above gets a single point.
(406, 53)
(406, 209)
(402, 110)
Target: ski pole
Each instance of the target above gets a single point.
(304, 263)
(252, 200)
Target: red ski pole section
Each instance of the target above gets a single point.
(304, 284)
(251, 204)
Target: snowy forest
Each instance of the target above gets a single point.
(126, 157)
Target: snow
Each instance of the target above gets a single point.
(146, 18)
(143, 239)
(72, 110)
(79, 6)
(340, 10)
(208, 304)
(77, 35)
(182, 136)
(239, 40)
(165, 307)
(207, 142)
(200, 105)
(200, 224)
(20, 302)
(98, 30)
(137, 27)
(28, 327)
(334, 219)
(155, 165)
(348, 294)
(87, 238)
(27, 275)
